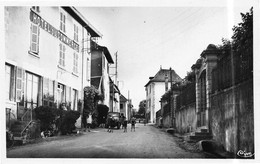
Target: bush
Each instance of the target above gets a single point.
(102, 113)
(47, 116)
(68, 121)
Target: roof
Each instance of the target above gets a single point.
(107, 54)
(82, 20)
(122, 98)
(160, 76)
(112, 85)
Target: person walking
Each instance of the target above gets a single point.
(125, 125)
(133, 124)
(89, 121)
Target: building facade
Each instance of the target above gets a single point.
(123, 105)
(100, 60)
(155, 88)
(114, 105)
(47, 51)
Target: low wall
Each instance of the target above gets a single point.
(232, 118)
(186, 119)
(167, 120)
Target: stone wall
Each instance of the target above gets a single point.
(167, 120)
(186, 119)
(232, 117)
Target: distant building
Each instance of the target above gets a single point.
(114, 97)
(100, 60)
(123, 105)
(155, 88)
(47, 57)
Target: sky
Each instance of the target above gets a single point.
(147, 38)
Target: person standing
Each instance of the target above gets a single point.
(109, 124)
(133, 124)
(125, 124)
(89, 121)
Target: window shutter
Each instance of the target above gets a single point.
(20, 77)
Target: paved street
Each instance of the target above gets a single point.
(145, 142)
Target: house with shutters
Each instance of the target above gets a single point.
(47, 58)
(155, 88)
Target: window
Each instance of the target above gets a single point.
(48, 92)
(74, 99)
(36, 8)
(62, 22)
(75, 62)
(76, 33)
(34, 48)
(32, 90)
(61, 94)
(62, 55)
(9, 81)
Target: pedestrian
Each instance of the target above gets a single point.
(125, 125)
(109, 124)
(121, 120)
(144, 122)
(133, 124)
(89, 121)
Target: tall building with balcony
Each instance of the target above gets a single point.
(100, 61)
(47, 57)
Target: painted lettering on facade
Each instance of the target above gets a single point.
(36, 19)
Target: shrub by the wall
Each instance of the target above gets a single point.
(68, 121)
(47, 116)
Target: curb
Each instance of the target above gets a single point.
(215, 148)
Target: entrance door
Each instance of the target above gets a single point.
(201, 115)
(32, 91)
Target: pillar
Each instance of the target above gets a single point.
(211, 57)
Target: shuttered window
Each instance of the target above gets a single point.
(75, 62)
(62, 55)
(76, 33)
(9, 82)
(20, 77)
(62, 22)
(34, 39)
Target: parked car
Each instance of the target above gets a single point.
(115, 118)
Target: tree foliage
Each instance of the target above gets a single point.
(91, 98)
(141, 109)
(68, 121)
(47, 116)
(243, 33)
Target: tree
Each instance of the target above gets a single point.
(91, 98)
(142, 106)
(243, 33)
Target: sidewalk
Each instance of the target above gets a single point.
(209, 147)
(181, 140)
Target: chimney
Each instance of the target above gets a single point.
(166, 82)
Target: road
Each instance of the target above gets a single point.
(145, 142)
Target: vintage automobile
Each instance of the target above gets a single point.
(115, 117)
